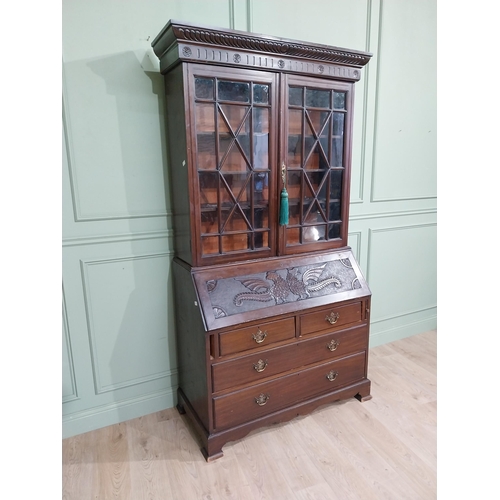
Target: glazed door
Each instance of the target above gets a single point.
(316, 158)
(234, 153)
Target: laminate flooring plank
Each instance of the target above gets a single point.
(261, 471)
(78, 468)
(148, 459)
(382, 480)
(336, 464)
(113, 467)
(292, 458)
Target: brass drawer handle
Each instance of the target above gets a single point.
(331, 376)
(332, 318)
(260, 366)
(260, 336)
(333, 344)
(262, 399)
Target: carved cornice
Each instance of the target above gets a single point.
(217, 37)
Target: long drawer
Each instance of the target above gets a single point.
(263, 399)
(263, 334)
(253, 368)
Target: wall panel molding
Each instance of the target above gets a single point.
(73, 394)
(119, 238)
(99, 385)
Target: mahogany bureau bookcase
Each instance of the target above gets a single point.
(272, 310)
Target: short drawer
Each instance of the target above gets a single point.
(263, 334)
(262, 399)
(253, 368)
(330, 319)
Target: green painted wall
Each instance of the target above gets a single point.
(118, 333)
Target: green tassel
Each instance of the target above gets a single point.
(284, 208)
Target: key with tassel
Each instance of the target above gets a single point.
(283, 218)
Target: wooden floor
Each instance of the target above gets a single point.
(384, 448)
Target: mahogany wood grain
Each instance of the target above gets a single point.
(243, 339)
(242, 406)
(261, 365)
(342, 315)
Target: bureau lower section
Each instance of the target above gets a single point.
(244, 377)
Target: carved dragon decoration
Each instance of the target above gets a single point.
(280, 288)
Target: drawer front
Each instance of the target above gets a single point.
(330, 319)
(255, 367)
(263, 399)
(263, 334)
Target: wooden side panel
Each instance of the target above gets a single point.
(191, 344)
(175, 114)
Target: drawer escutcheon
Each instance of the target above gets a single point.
(260, 366)
(332, 318)
(262, 399)
(333, 344)
(260, 336)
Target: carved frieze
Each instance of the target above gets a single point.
(247, 293)
(182, 41)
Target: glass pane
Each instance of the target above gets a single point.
(292, 236)
(235, 156)
(209, 183)
(338, 124)
(260, 93)
(334, 214)
(337, 151)
(209, 222)
(261, 218)
(293, 186)
(261, 188)
(236, 116)
(205, 118)
(205, 144)
(261, 138)
(234, 91)
(236, 222)
(235, 242)
(293, 213)
(238, 185)
(204, 88)
(339, 100)
(336, 184)
(333, 231)
(295, 96)
(294, 138)
(317, 159)
(338, 139)
(205, 126)
(317, 98)
(261, 239)
(319, 121)
(313, 233)
(210, 245)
